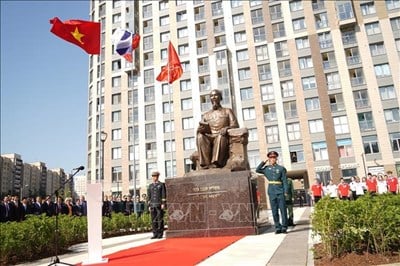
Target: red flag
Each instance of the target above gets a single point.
(85, 34)
(173, 68)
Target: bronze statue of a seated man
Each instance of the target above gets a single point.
(212, 133)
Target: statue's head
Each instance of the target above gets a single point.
(216, 98)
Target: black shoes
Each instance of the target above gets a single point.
(284, 231)
(159, 237)
(154, 237)
(278, 232)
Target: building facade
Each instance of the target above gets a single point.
(317, 81)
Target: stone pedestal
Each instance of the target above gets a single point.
(214, 202)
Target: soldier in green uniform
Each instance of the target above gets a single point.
(289, 202)
(277, 189)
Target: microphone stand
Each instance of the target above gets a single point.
(56, 231)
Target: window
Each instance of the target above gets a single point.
(395, 141)
(116, 18)
(296, 5)
(345, 148)
(185, 85)
(164, 20)
(293, 131)
(163, 5)
(259, 34)
(395, 23)
(290, 109)
(116, 134)
(302, 43)
(275, 12)
(249, 113)
(365, 121)
(387, 92)
(257, 16)
(240, 36)
(361, 99)
(181, 16)
(116, 98)
(182, 32)
(377, 49)
(116, 153)
(188, 123)
(150, 131)
(238, 19)
(169, 168)
(262, 52)
(392, 115)
(281, 49)
(244, 73)
(255, 2)
(299, 24)
(321, 20)
(116, 81)
(246, 93)
(116, 116)
(341, 125)
(253, 134)
(151, 150)
(264, 72)
(320, 151)
(116, 174)
(116, 65)
(316, 126)
(344, 10)
(216, 8)
(133, 151)
(220, 58)
(133, 114)
(267, 92)
(150, 112)
(148, 42)
(287, 88)
(382, 70)
(236, 3)
(333, 81)
(148, 76)
(305, 62)
(149, 94)
(312, 104)
(372, 28)
(296, 153)
(189, 143)
(169, 126)
(168, 147)
(325, 40)
(242, 55)
(370, 144)
(392, 4)
(336, 102)
(278, 30)
(186, 104)
(272, 134)
(168, 107)
(368, 8)
(183, 49)
(308, 83)
(270, 113)
(164, 37)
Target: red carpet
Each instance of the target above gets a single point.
(173, 251)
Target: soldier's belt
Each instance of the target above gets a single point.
(275, 182)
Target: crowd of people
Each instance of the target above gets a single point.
(373, 184)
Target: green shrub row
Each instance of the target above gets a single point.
(34, 238)
(368, 224)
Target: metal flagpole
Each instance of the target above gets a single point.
(170, 111)
(101, 148)
(133, 138)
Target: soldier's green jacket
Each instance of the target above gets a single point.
(277, 173)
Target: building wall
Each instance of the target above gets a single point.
(268, 91)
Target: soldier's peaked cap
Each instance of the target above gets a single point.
(272, 153)
(155, 173)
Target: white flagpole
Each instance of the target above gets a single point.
(170, 111)
(133, 137)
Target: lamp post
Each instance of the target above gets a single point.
(103, 138)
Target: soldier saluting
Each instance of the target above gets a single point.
(277, 189)
(156, 200)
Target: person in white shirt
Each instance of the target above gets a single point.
(382, 185)
(360, 188)
(353, 185)
(331, 190)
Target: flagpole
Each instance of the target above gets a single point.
(170, 111)
(133, 139)
(101, 145)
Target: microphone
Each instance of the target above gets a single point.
(80, 168)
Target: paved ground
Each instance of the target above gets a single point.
(266, 248)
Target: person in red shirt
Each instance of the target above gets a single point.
(392, 182)
(316, 190)
(344, 190)
(372, 184)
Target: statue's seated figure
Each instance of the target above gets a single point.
(220, 143)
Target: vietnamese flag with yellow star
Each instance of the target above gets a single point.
(85, 34)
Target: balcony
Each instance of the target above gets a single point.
(325, 44)
(270, 117)
(333, 85)
(366, 125)
(353, 60)
(285, 72)
(357, 81)
(276, 15)
(199, 16)
(278, 34)
(290, 114)
(205, 87)
(205, 107)
(202, 50)
(222, 80)
(148, 62)
(200, 33)
(321, 24)
(349, 38)
(265, 76)
(257, 20)
(147, 30)
(329, 64)
(147, 14)
(218, 29)
(318, 5)
(337, 107)
(217, 11)
(203, 68)
(362, 103)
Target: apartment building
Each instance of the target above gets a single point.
(317, 81)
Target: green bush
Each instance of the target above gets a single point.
(34, 238)
(371, 223)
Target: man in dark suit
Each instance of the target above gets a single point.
(157, 199)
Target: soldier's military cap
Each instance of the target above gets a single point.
(155, 173)
(272, 153)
